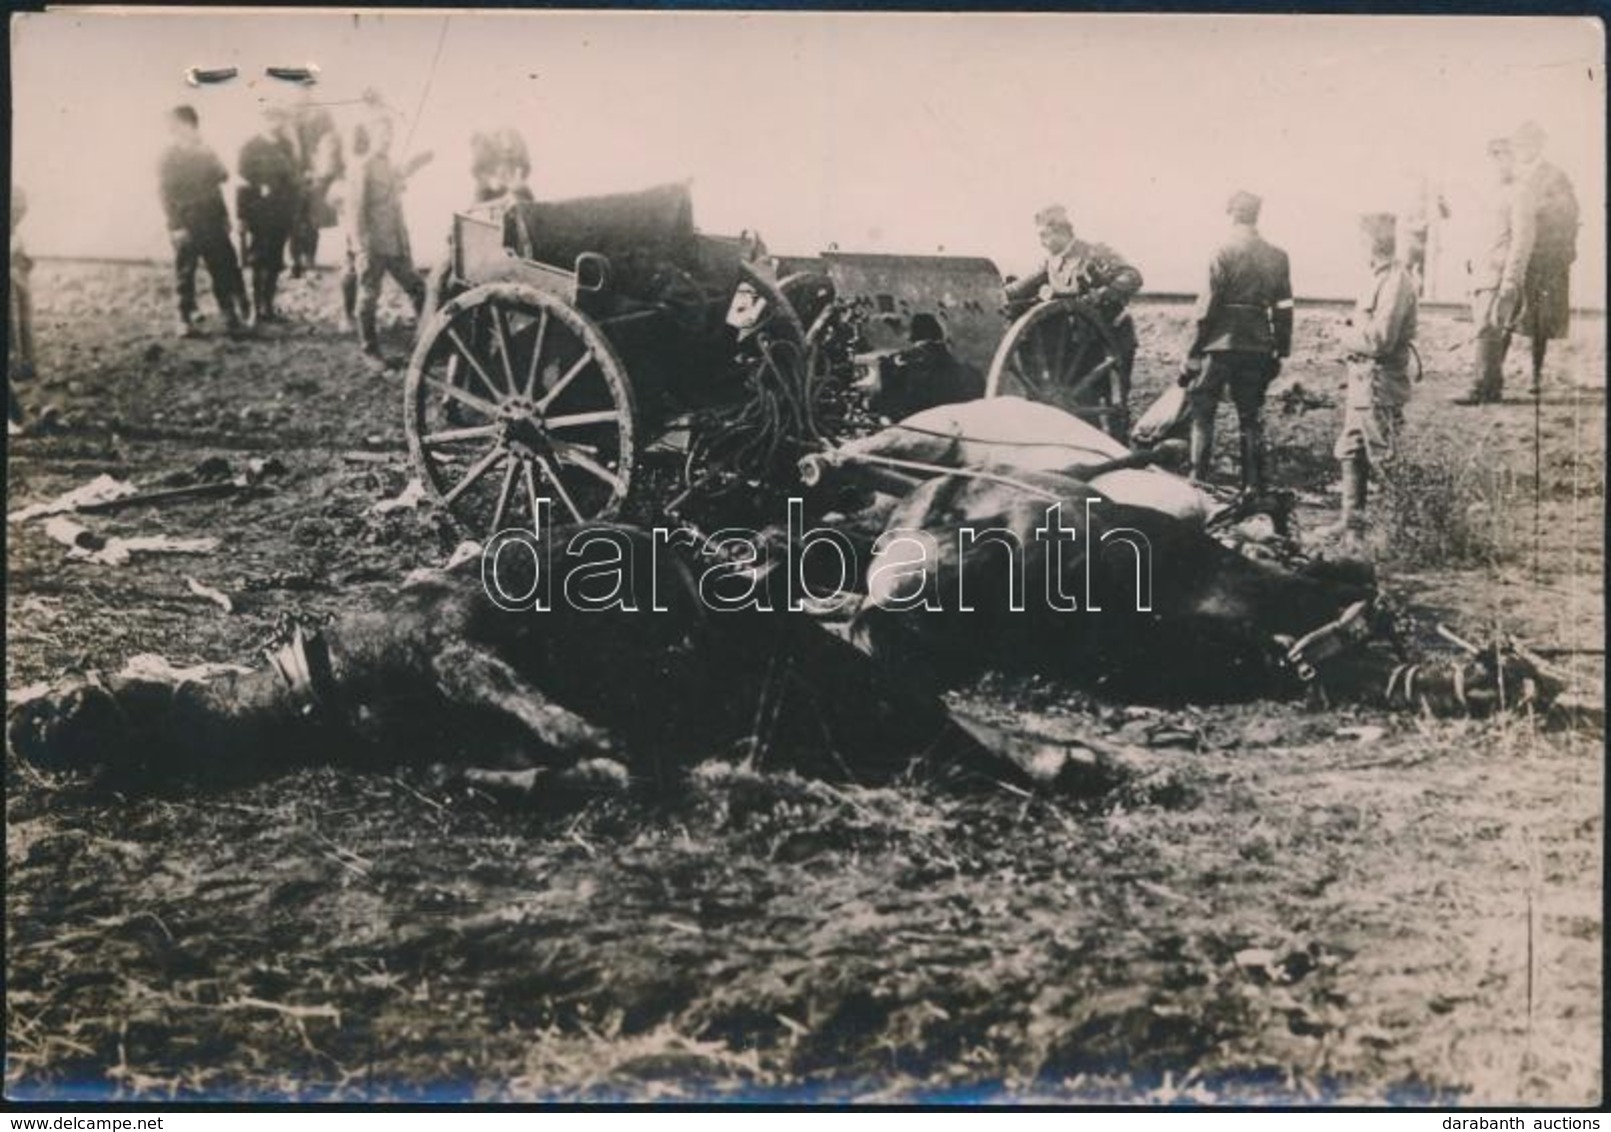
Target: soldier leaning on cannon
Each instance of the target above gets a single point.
(1242, 329)
(1078, 267)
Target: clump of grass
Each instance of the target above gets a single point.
(1445, 502)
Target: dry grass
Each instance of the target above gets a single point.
(1314, 921)
(1444, 502)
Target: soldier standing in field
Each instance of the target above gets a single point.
(1547, 194)
(266, 207)
(378, 232)
(1380, 342)
(190, 178)
(20, 320)
(1242, 329)
(319, 161)
(1497, 276)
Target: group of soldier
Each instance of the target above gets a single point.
(282, 201)
(296, 176)
(1524, 266)
(1241, 328)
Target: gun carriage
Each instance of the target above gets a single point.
(575, 336)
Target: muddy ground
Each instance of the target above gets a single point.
(1303, 905)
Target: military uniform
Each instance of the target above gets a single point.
(1380, 349)
(1548, 195)
(380, 242)
(20, 339)
(266, 207)
(1381, 352)
(1242, 327)
(1496, 284)
(319, 161)
(1092, 271)
(1087, 269)
(190, 177)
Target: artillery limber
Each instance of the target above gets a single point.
(578, 334)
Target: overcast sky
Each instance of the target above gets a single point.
(889, 132)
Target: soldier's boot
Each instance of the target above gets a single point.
(240, 313)
(258, 304)
(1202, 447)
(14, 414)
(349, 301)
(1252, 459)
(1540, 348)
(369, 341)
(368, 333)
(271, 286)
(1350, 529)
(416, 299)
(1490, 383)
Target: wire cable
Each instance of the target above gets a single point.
(430, 77)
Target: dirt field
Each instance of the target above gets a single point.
(1305, 906)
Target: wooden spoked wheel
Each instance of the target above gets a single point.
(514, 397)
(1061, 353)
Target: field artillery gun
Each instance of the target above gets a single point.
(572, 337)
(572, 341)
(859, 310)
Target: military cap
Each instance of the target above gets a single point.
(1375, 223)
(1380, 227)
(1244, 206)
(1053, 215)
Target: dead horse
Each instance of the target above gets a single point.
(553, 701)
(1155, 609)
